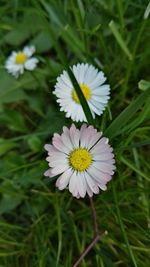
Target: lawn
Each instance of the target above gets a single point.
(41, 226)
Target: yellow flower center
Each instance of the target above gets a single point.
(80, 159)
(21, 58)
(86, 92)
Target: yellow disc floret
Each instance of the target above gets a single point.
(86, 92)
(21, 58)
(80, 159)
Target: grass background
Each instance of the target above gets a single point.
(40, 226)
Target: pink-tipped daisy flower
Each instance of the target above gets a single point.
(91, 82)
(83, 159)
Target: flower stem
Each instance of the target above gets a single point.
(85, 252)
(95, 238)
(96, 231)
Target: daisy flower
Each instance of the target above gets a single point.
(83, 159)
(91, 82)
(17, 62)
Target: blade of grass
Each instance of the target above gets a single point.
(134, 168)
(59, 228)
(142, 117)
(134, 145)
(141, 183)
(114, 128)
(120, 40)
(120, 11)
(122, 226)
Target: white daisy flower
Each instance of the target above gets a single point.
(91, 82)
(17, 62)
(83, 159)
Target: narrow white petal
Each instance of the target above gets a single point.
(75, 70)
(64, 179)
(101, 90)
(60, 169)
(58, 144)
(73, 183)
(74, 136)
(66, 79)
(83, 70)
(88, 190)
(49, 173)
(91, 74)
(100, 99)
(104, 167)
(103, 156)
(81, 184)
(67, 141)
(96, 110)
(58, 162)
(101, 146)
(98, 81)
(100, 176)
(91, 183)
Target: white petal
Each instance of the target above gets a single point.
(29, 50)
(48, 147)
(62, 86)
(49, 173)
(100, 79)
(88, 190)
(74, 135)
(60, 169)
(101, 90)
(100, 99)
(82, 73)
(58, 143)
(97, 110)
(31, 63)
(94, 138)
(57, 162)
(73, 183)
(103, 156)
(66, 140)
(100, 176)
(104, 166)
(81, 184)
(66, 79)
(91, 74)
(101, 146)
(89, 137)
(75, 70)
(91, 183)
(64, 179)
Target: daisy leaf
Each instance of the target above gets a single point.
(119, 39)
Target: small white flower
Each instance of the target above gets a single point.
(17, 62)
(91, 83)
(83, 159)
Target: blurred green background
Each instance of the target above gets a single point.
(40, 226)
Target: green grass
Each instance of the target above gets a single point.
(39, 225)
